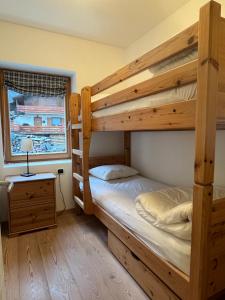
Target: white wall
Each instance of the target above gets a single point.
(90, 60)
(46, 50)
(169, 156)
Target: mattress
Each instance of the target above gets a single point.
(183, 93)
(179, 94)
(117, 197)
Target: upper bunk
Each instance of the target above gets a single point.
(171, 113)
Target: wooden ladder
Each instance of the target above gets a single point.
(81, 130)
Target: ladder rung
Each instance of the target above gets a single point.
(79, 201)
(77, 126)
(78, 152)
(78, 177)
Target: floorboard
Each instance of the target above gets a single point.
(71, 261)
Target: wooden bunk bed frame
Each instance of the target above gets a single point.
(160, 279)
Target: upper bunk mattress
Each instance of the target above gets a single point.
(179, 94)
(183, 93)
(117, 197)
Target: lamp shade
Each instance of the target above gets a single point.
(26, 145)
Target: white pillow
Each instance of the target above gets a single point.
(108, 172)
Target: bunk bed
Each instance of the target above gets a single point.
(204, 113)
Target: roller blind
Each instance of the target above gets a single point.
(35, 84)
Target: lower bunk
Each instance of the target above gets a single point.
(140, 247)
(158, 261)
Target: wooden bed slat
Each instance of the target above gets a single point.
(77, 152)
(77, 126)
(78, 177)
(79, 201)
(171, 79)
(175, 116)
(183, 40)
(170, 275)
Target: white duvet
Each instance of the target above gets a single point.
(118, 198)
(170, 209)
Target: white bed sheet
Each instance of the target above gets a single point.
(179, 94)
(118, 198)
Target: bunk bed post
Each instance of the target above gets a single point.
(86, 137)
(127, 145)
(74, 106)
(205, 139)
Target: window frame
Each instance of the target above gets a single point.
(5, 122)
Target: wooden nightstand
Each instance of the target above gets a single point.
(32, 203)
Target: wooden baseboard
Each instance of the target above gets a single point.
(74, 210)
(66, 211)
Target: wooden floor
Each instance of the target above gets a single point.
(69, 262)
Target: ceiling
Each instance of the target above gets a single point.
(113, 22)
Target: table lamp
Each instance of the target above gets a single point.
(27, 146)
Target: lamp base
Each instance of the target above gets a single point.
(27, 174)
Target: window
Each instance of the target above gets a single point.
(35, 113)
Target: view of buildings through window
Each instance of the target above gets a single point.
(40, 118)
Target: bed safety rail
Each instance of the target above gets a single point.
(185, 40)
(177, 77)
(182, 115)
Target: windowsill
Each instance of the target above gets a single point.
(37, 163)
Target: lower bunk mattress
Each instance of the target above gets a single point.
(117, 197)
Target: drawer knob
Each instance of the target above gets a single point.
(30, 195)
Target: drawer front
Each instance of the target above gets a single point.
(32, 193)
(32, 218)
(150, 283)
(24, 203)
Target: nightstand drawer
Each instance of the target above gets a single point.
(32, 202)
(32, 218)
(36, 189)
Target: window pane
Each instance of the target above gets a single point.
(40, 118)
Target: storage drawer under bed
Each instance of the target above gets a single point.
(150, 283)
